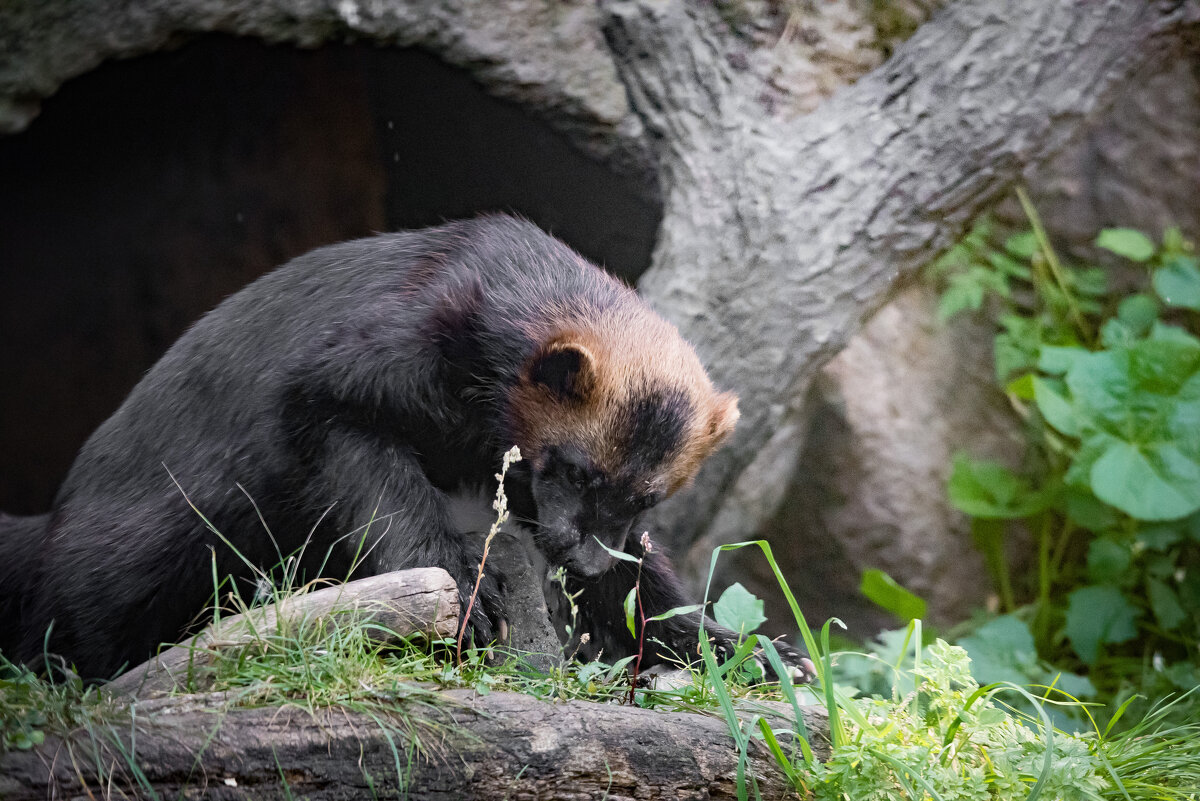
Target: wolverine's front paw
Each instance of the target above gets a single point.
(798, 668)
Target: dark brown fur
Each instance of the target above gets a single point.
(344, 398)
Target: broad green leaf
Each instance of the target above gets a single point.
(1158, 483)
(1057, 360)
(1164, 332)
(883, 591)
(1009, 266)
(739, 609)
(1022, 245)
(1072, 684)
(1127, 242)
(1138, 312)
(1100, 384)
(1012, 354)
(1178, 282)
(1191, 527)
(1114, 333)
(1189, 590)
(1131, 392)
(1056, 409)
(1079, 474)
(1164, 367)
(990, 490)
(1107, 561)
(958, 298)
(1137, 408)
(1022, 388)
(1086, 511)
(1136, 316)
(1097, 615)
(1001, 650)
(1165, 604)
(1159, 537)
(630, 606)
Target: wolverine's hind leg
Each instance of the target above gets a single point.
(386, 516)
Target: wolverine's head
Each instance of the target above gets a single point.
(614, 414)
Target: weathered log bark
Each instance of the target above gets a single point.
(421, 600)
(501, 745)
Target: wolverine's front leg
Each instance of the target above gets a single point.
(385, 515)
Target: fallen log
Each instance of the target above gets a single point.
(399, 604)
(451, 745)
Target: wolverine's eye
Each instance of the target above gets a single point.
(645, 502)
(577, 476)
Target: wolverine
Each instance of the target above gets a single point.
(336, 406)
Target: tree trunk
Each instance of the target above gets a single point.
(501, 745)
(780, 236)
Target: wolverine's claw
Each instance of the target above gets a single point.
(803, 673)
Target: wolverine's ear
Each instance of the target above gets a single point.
(566, 369)
(723, 418)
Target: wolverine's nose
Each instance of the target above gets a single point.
(590, 564)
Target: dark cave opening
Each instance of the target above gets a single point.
(149, 189)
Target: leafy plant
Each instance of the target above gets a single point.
(933, 732)
(500, 504)
(1108, 383)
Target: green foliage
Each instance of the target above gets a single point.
(1108, 382)
(883, 590)
(22, 710)
(1003, 650)
(1099, 614)
(1127, 242)
(739, 609)
(31, 708)
(930, 731)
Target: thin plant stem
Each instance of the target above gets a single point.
(1039, 232)
(1042, 619)
(637, 663)
(501, 506)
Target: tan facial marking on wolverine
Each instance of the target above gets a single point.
(576, 387)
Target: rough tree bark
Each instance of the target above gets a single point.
(780, 236)
(501, 745)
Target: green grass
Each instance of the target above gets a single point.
(939, 735)
(935, 733)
